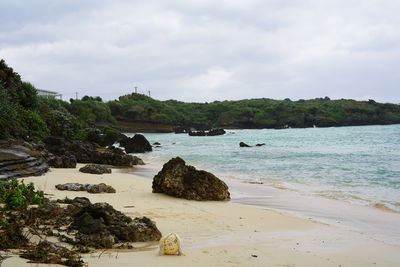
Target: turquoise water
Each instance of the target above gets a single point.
(356, 164)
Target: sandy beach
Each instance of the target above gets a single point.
(219, 233)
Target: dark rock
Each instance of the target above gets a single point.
(180, 130)
(89, 152)
(215, 132)
(197, 133)
(100, 225)
(263, 144)
(90, 188)
(137, 144)
(184, 181)
(95, 169)
(106, 139)
(64, 161)
(241, 144)
(20, 159)
(156, 144)
(138, 161)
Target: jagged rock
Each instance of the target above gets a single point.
(215, 132)
(197, 133)
(136, 144)
(180, 180)
(241, 144)
(90, 188)
(106, 139)
(100, 225)
(64, 161)
(20, 159)
(94, 169)
(88, 152)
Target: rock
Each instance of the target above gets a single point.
(100, 225)
(20, 159)
(197, 133)
(64, 161)
(137, 144)
(89, 152)
(156, 144)
(215, 132)
(241, 144)
(138, 161)
(95, 169)
(263, 144)
(90, 188)
(170, 245)
(100, 188)
(106, 139)
(180, 180)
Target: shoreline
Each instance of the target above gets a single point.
(220, 233)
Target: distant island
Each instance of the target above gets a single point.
(24, 113)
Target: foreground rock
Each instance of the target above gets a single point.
(20, 159)
(90, 188)
(180, 180)
(100, 225)
(90, 152)
(136, 144)
(95, 169)
(97, 225)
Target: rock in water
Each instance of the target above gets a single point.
(241, 144)
(137, 144)
(183, 181)
(95, 169)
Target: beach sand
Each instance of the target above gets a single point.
(219, 233)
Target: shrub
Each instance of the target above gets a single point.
(18, 194)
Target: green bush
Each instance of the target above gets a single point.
(33, 123)
(18, 194)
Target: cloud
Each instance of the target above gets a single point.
(227, 49)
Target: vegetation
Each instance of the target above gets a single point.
(255, 113)
(25, 115)
(17, 194)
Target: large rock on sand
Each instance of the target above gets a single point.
(180, 180)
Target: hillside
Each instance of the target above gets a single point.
(253, 113)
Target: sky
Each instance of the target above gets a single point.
(206, 50)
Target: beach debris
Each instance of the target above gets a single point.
(170, 245)
(136, 144)
(90, 188)
(242, 144)
(184, 181)
(95, 169)
(254, 256)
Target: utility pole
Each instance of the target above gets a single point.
(149, 94)
(76, 95)
(135, 89)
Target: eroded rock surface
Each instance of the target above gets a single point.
(180, 180)
(90, 188)
(95, 169)
(136, 144)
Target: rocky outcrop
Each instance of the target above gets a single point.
(180, 180)
(64, 161)
(100, 225)
(212, 132)
(95, 169)
(263, 144)
(90, 152)
(90, 188)
(242, 144)
(136, 144)
(20, 159)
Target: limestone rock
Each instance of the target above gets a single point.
(95, 169)
(136, 144)
(90, 188)
(183, 181)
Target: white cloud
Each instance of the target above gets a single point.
(229, 49)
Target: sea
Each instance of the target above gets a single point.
(358, 166)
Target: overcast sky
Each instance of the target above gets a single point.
(205, 50)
